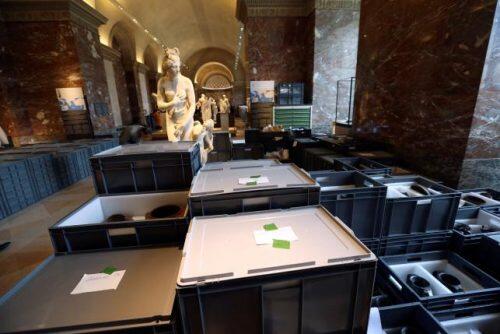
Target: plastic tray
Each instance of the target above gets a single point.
(86, 228)
(492, 198)
(42, 302)
(355, 198)
(477, 285)
(239, 164)
(270, 289)
(406, 215)
(213, 192)
(477, 216)
(155, 166)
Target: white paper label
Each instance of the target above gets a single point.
(98, 282)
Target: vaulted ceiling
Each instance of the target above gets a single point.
(191, 25)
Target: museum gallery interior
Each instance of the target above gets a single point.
(250, 166)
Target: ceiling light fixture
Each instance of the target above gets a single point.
(238, 47)
(117, 4)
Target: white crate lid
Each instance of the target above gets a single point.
(211, 182)
(223, 247)
(236, 164)
(148, 147)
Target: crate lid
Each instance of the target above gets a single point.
(148, 147)
(223, 247)
(237, 164)
(42, 301)
(212, 182)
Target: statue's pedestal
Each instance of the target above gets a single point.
(224, 121)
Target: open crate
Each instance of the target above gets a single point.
(405, 318)
(88, 227)
(364, 166)
(474, 285)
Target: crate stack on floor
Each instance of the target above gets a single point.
(222, 147)
(117, 256)
(31, 173)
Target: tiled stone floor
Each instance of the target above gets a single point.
(28, 232)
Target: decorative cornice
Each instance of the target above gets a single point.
(51, 10)
(337, 4)
(110, 53)
(277, 8)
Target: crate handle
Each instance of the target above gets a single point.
(395, 283)
(424, 201)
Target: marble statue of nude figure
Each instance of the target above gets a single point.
(175, 97)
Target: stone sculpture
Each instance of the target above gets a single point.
(203, 134)
(224, 105)
(215, 110)
(4, 140)
(175, 97)
(206, 108)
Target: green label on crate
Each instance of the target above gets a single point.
(254, 183)
(270, 227)
(108, 270)
(283, 244)
(255, 176)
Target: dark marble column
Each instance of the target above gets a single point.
(481, 166)
(418, 74)
(48, 46)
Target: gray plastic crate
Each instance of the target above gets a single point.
(407, 211)
(87, 227)
(415, 243)
(365, 166)
(16, 190)
(406, 318)
(213, 192)
(312, 157)
(152, 166)
(239, 164)
(42, 301)
(247, 151)
(271, 290)
(215, 156)
(222, 141)
(477, 286)
(297, 152)
(355, 198)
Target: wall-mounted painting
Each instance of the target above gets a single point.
(71, 99)
(261, 91)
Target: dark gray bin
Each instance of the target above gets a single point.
(142, 303)
(213, 192)
(478, 286)
(247, 151)
(87, 229)
(155, 166)
(355, 198)
(365, 166)
(414, 213)
(16, 190)
(409, 318)
(312, 157)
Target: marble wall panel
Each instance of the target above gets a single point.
(278, 49)
(335, 54)
(418, 73)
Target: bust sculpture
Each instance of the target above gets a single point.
(175, 97)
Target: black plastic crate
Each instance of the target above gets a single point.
(408, 318)
(259, 293)
(477, 286)
(275, 140)
(42, 301)
(222, 141)
(16, 190)
(383, 295)
(87, 227)
(250, 151)
(252, 136)
(312, 157)
(214, 193)
(472, 199)
(482, 318)
(407, 211)
(483, 252)
(366, 166)
(216, 156)
(415, 243)
(471, 225)
(330, 162)
(373, 244)
(297, 153)
(300, 132)
(382, 157)
(355, 198)
(155, 166)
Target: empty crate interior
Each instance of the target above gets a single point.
(477, 199)
(134, 206)
(485, 324)
(484, 222)
(339, 181)
(361, 163)
(410, 189)
(425, 269)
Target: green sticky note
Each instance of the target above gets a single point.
(270, 227)
(255, 176)
(254, 183)
(108, 270)
(283, 244)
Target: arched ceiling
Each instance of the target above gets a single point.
(190, 25)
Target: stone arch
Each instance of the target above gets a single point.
(213, 75)
(122, 39)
